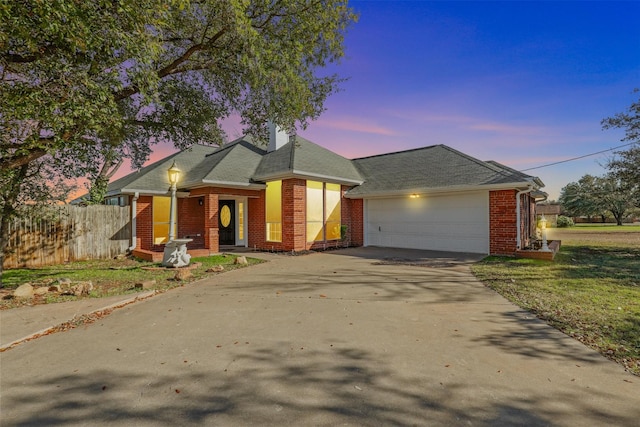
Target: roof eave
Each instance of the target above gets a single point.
(231, 184)
(308, 175)
(438, 190)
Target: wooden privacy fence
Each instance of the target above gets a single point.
(73, 233)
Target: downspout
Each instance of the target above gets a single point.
(518, 220)
(134, 215)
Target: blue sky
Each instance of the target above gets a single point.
(522, 83)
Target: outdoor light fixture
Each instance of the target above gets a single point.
(414, 196)
(543, 227)
(174, 176)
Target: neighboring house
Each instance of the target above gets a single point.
(296, 196)
(551, 213)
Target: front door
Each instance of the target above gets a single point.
(227, 222)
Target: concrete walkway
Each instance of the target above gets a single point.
(350, 337)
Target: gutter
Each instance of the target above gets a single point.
(134, 215)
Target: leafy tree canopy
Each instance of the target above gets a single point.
(86, 84)
(93, 82)
(626, 165)
(593, 195)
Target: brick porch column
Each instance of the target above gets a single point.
(294, 214)
(211, 239)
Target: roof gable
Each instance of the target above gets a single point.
(303, 158)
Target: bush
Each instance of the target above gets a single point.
(564, 221)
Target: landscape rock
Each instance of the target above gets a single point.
(23, 291)
(55, 288)
(64, 281)
(183, 274)
(41, 290)
(78, 289)
(216, 269)
(146, 284)
(241, 260)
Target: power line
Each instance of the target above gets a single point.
(577, 158)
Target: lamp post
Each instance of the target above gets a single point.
(543, 227)
(174, 176)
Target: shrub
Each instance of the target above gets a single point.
(564, 221)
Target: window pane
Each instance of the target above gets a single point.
(274, 201)
(314, 231)
(314, 203)
(161, 209)
(160, 233)
(332, 196)
(274, 232)
(240, 221)
(333, 230)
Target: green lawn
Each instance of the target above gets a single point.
(109, 277)
(591, 291)
(626, 228)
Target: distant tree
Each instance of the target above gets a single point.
(626, 165)
(595, 196)
(86, 84)
(578, 198)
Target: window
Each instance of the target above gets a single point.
(332, 211)
(315, 211)
(323, 211)
(161, 207)
(274, 211)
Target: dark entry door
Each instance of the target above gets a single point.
(227, 222)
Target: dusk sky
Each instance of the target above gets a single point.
(522, 83)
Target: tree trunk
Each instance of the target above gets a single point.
(4, 240)
(10, 199)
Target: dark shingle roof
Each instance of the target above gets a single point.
(242, 164)
(303, 158)
(430, 168)
(154, 179)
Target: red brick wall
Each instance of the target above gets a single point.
(502, 222)
(294, 214)
(144, 223)
(210, 226)
(257, 222)
(191, 221)
(353, 217)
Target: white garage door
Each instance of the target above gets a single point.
(458, 223)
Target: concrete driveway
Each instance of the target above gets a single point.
(351, 337)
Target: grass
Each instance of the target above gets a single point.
(109, 277)
(609, 228)
(590, 292)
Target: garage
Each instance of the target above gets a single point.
(453, 222)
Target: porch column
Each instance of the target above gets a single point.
(211, 239)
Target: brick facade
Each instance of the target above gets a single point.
(503, 221)
(198, 220)
(352, 211)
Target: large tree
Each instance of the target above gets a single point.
(594, 195)
(626, 165)
(86, 84)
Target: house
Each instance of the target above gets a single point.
(296, 196)
(550, 211)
